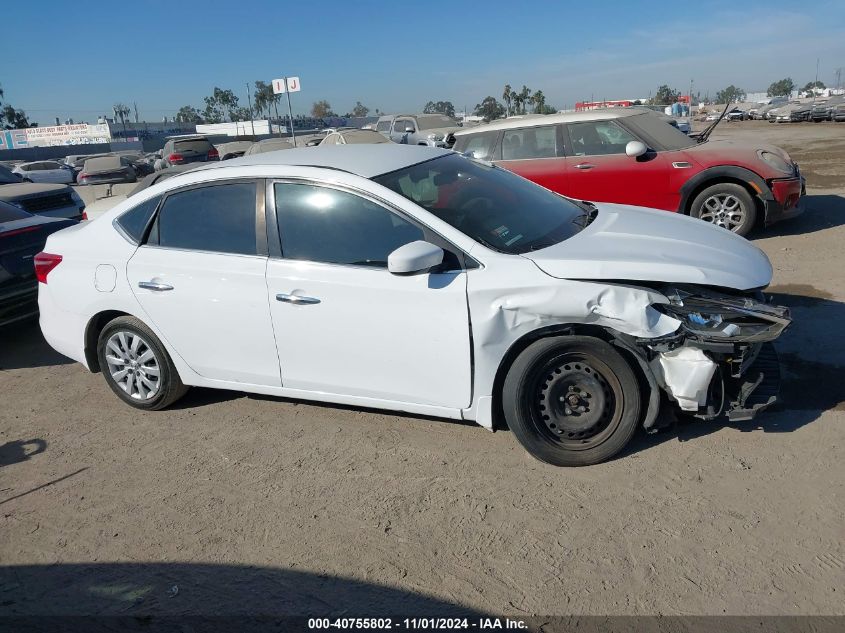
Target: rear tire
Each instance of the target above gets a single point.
(571, 401)
(727, 205)
(136, 366)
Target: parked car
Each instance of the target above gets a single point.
(416, 279)
(838, 112)
(101, 205)
(434, 130)
(353, 136)
(53, 200)
(44, 171)
(189, 148)
(823, 110)
(232, 149)
(630, 156)
(269, 145)
(22, 235)
(737, 115)
(800, 113)
(107, 170)
(774, 103)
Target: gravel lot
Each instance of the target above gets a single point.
(231, 503)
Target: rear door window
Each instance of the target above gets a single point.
(134, 222)
(530, 142)
(217, 218)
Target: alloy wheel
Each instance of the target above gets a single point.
(133, 365)
(723, 209)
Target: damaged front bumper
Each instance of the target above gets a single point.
(721, 360)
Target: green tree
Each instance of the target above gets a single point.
(264, 98)
(360, 110)
(525, 98)
(10, 118)
(188, 114)
(731, 94)
(813, 84)
(781, 88)
(665, 96)
(539, 101)
(507, 97)
(490, 109)
(546, 109)
(321, 109)
(439, 107)
(220, 105)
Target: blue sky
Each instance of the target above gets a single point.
(75, 59)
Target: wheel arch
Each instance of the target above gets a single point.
(757, 188)
(649, 390)
(92, 334)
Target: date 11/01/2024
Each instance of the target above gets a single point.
(430, 624)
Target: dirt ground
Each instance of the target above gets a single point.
(231, 503)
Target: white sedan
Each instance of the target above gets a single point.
(415, 279)
(45, 171)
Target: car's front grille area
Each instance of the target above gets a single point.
(45, 203)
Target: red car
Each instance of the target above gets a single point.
(633, 156)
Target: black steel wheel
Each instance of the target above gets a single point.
(571, 401)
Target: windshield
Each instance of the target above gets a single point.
(435, 121)
(491, 205)
(667, 137)
(7, 177)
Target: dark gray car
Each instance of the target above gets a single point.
(181, 150)
(57, 201)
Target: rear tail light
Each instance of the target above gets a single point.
(82, 175)
(28, 229)
(44, 263)
(175, 158)
(213, 154)
(84, 216)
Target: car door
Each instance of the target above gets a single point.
(200, 278)
(399, 133)
(343, 323)
(599, 170)
(53, 172)
(535, 153)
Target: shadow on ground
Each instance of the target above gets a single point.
(150, 592)
(23, 346)
(20, 450)
(821, 211)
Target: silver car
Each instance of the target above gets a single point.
(434, 130)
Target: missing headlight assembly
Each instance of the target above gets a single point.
(721, 359)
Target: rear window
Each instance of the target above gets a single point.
(135, 221)
(199, 145)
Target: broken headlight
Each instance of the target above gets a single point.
(714, 316)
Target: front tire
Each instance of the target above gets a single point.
(727, 205)
(571, 401)
(136, 366)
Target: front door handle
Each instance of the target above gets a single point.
(296, 299)
(154, 285)
(584, 166)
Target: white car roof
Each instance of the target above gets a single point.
(366, 161)
(600, 114)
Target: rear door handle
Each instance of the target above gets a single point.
(154, 285)
(296, 299)
(584, 166)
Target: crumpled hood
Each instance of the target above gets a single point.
(633, 243)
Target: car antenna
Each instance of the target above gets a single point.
(706, 133)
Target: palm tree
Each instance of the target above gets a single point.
(539, 100)
(524, 97)
(508, 96)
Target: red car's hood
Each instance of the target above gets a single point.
(743, 154)
(633, 243)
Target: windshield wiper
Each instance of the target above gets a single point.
(705, 134)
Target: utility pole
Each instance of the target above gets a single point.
(249, 103)
(290, 113)
(135, 104)
(817, 80)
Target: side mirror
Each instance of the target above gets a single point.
(415, 257)
(409, 128)
(636, 148)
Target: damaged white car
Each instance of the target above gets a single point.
(415, 279)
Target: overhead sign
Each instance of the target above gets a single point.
(78, 134)
(286, 84)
